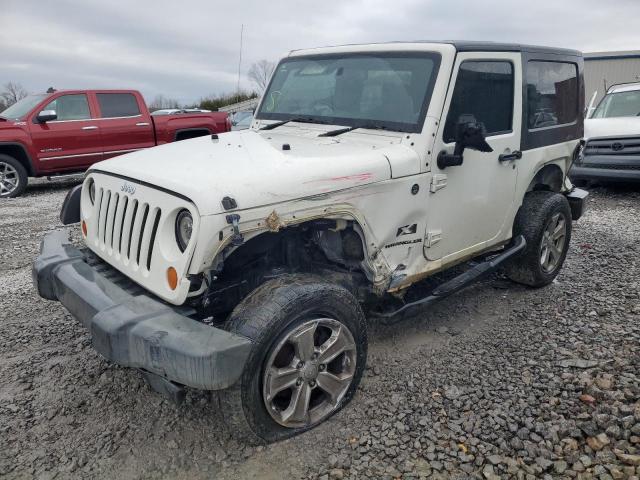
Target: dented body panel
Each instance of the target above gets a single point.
(253, 168)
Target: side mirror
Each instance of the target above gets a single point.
(46, 116)
(469, 134)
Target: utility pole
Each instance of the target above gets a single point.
(239, 62)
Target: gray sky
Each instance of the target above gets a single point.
(188, 49)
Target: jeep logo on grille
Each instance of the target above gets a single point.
(616, 147)
(126, 188)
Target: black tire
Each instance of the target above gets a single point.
(267, 316)
(537, 211)
(7, 162)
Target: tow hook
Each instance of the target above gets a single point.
(237, 239)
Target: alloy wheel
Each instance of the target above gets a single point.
(9, 179)
(308, 373)
(553, 242)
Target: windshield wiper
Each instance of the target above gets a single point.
(340, 131)
(271, 126)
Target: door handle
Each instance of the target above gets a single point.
(92, 127)
(506, 157)
(142, 124)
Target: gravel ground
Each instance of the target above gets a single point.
(498, 381)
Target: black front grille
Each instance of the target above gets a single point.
(608, 166)
(613, 146)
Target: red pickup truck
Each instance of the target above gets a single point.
(67, 131)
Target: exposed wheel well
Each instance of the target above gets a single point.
(549, 178)
(330, 248)
(191, 133)
(19, 153)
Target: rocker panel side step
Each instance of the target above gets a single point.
(458, 283)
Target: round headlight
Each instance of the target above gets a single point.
(184, 227)
(92, 191)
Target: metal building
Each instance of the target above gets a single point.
(603, 69)
(247, 105)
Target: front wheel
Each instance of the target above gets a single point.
(13, 177)
(309, 352)
(545, 221)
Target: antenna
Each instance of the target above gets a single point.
(240, 62)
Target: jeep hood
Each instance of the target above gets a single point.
(611, 127)
(263, 168)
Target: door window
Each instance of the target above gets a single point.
(485, 90)
(70, 107)
(552, 94)
(118, 105)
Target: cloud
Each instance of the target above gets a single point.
(189, 49)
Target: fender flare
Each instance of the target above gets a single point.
(29, 166)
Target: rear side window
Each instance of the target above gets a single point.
(118, 105)
(70, 107)
(483, 89)
(552, 94)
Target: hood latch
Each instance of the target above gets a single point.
(237, 239)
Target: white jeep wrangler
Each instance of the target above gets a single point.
(248, 262)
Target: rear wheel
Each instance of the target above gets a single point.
(545, 221)
(13, 177)
(309, 353)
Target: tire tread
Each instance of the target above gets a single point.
(254, 319)
(530, 222)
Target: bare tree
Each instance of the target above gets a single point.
(12, 93)
(260, 72)
(161, 102)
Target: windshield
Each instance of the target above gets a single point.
(621, 104)
(22, 107)
(383, 90)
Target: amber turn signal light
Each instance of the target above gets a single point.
(172, 278)
(84, 228)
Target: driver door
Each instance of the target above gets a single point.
(471, 206)
(71, 141)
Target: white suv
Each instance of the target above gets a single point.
(250, 262)
(612, 138)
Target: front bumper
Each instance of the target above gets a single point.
(620, 168)
(577, 202)
(132, 329)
